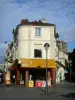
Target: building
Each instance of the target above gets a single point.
(61, 60)
(30, 38)
(27, 56)
(2, 67)
(9, 56)
(62, 51)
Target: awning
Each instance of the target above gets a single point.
(65, 71)
(37, 63)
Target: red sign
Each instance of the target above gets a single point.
(40, 84)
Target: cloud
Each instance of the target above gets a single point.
(60, 12)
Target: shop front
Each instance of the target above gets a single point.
(35, 70)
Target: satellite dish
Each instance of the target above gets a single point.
(44, 20)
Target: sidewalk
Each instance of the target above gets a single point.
(65, 84)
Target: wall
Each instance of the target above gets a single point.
(62, 57)
(59, 70)
(27, 41)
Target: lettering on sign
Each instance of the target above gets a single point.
(39, 84)
(26, 63)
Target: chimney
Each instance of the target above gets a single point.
(23, 21)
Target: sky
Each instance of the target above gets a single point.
(59, 12)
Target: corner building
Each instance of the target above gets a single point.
(30, 38)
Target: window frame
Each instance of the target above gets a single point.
(37, 29)
(36, 54)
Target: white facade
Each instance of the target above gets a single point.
(28, 41)
(60, 74)
(61, 56)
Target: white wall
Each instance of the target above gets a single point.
(61, 54)
(62, 57)
(66, 56)
(27, 40)
(60, 70)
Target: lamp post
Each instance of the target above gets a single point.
(46, 46)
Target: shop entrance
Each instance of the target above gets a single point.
(37, 74)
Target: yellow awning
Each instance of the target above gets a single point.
(35, 63)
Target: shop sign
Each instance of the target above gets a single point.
(7, 78)
(26, 63)
(43, 83)
(40, 84)
(31, 83)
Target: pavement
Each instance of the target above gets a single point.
(63, 91)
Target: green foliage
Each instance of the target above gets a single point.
(71, 56)
(15, 62)
(66, 63)
(56, 35)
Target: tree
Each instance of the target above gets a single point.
(71, 56)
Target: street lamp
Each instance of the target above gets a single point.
(70, 64)
(46, 46)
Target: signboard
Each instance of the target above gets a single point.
(25, 62)
(31, 83)
(40, 83)
(34, 63)
(7, 78)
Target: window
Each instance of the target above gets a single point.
(37, 53)
(37, 31)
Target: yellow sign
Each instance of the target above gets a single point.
(7, 78)
(31, 83)
(26, 62)
(7, 82)
(37, 63)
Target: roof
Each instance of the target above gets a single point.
(36, 23)
(33, 23)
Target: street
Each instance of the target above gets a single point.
(64, 91)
